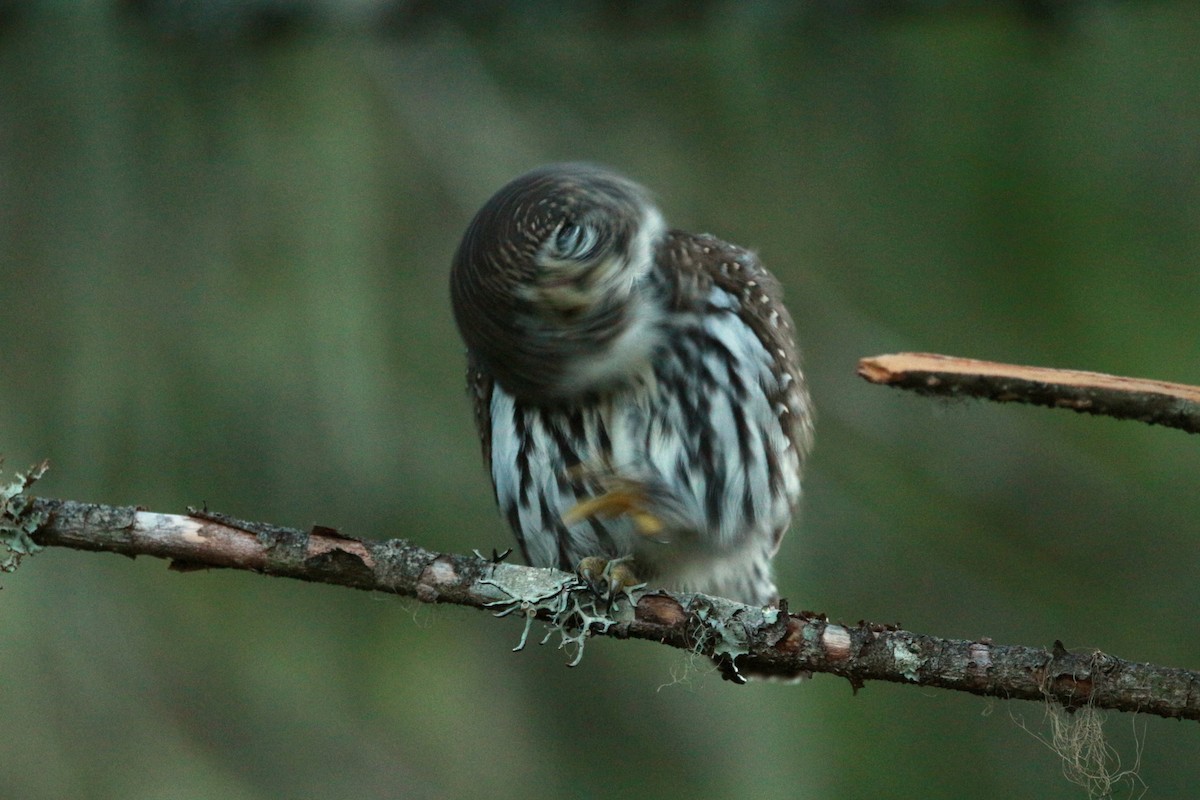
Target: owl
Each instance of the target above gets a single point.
(637, 389)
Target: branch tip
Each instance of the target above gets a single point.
(1153, 402)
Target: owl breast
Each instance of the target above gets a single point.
(702, 426)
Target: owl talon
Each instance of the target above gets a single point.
(626, 498)
(610, 578)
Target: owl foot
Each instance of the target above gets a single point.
(622, 497)
(610, 578)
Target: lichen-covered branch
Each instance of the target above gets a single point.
(1175, 405)
(745, 641)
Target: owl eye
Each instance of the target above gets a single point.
(575, 242)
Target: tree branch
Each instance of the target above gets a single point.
(1175, 405)
(744, 640)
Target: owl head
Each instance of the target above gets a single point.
(549, 284)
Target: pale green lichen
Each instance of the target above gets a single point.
(17, 522)
(571, 606)
(575, 609)
(908, 661)
(726, 629)
(724, 634)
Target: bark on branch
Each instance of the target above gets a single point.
(743, 639)
(1175, 405)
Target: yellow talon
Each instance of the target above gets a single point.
(646, 523)
(614, 503)
(608, 505)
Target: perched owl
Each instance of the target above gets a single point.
(637, 389)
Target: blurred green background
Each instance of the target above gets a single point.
(225, 231)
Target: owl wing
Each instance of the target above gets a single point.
(705, 261)
(479, 386)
